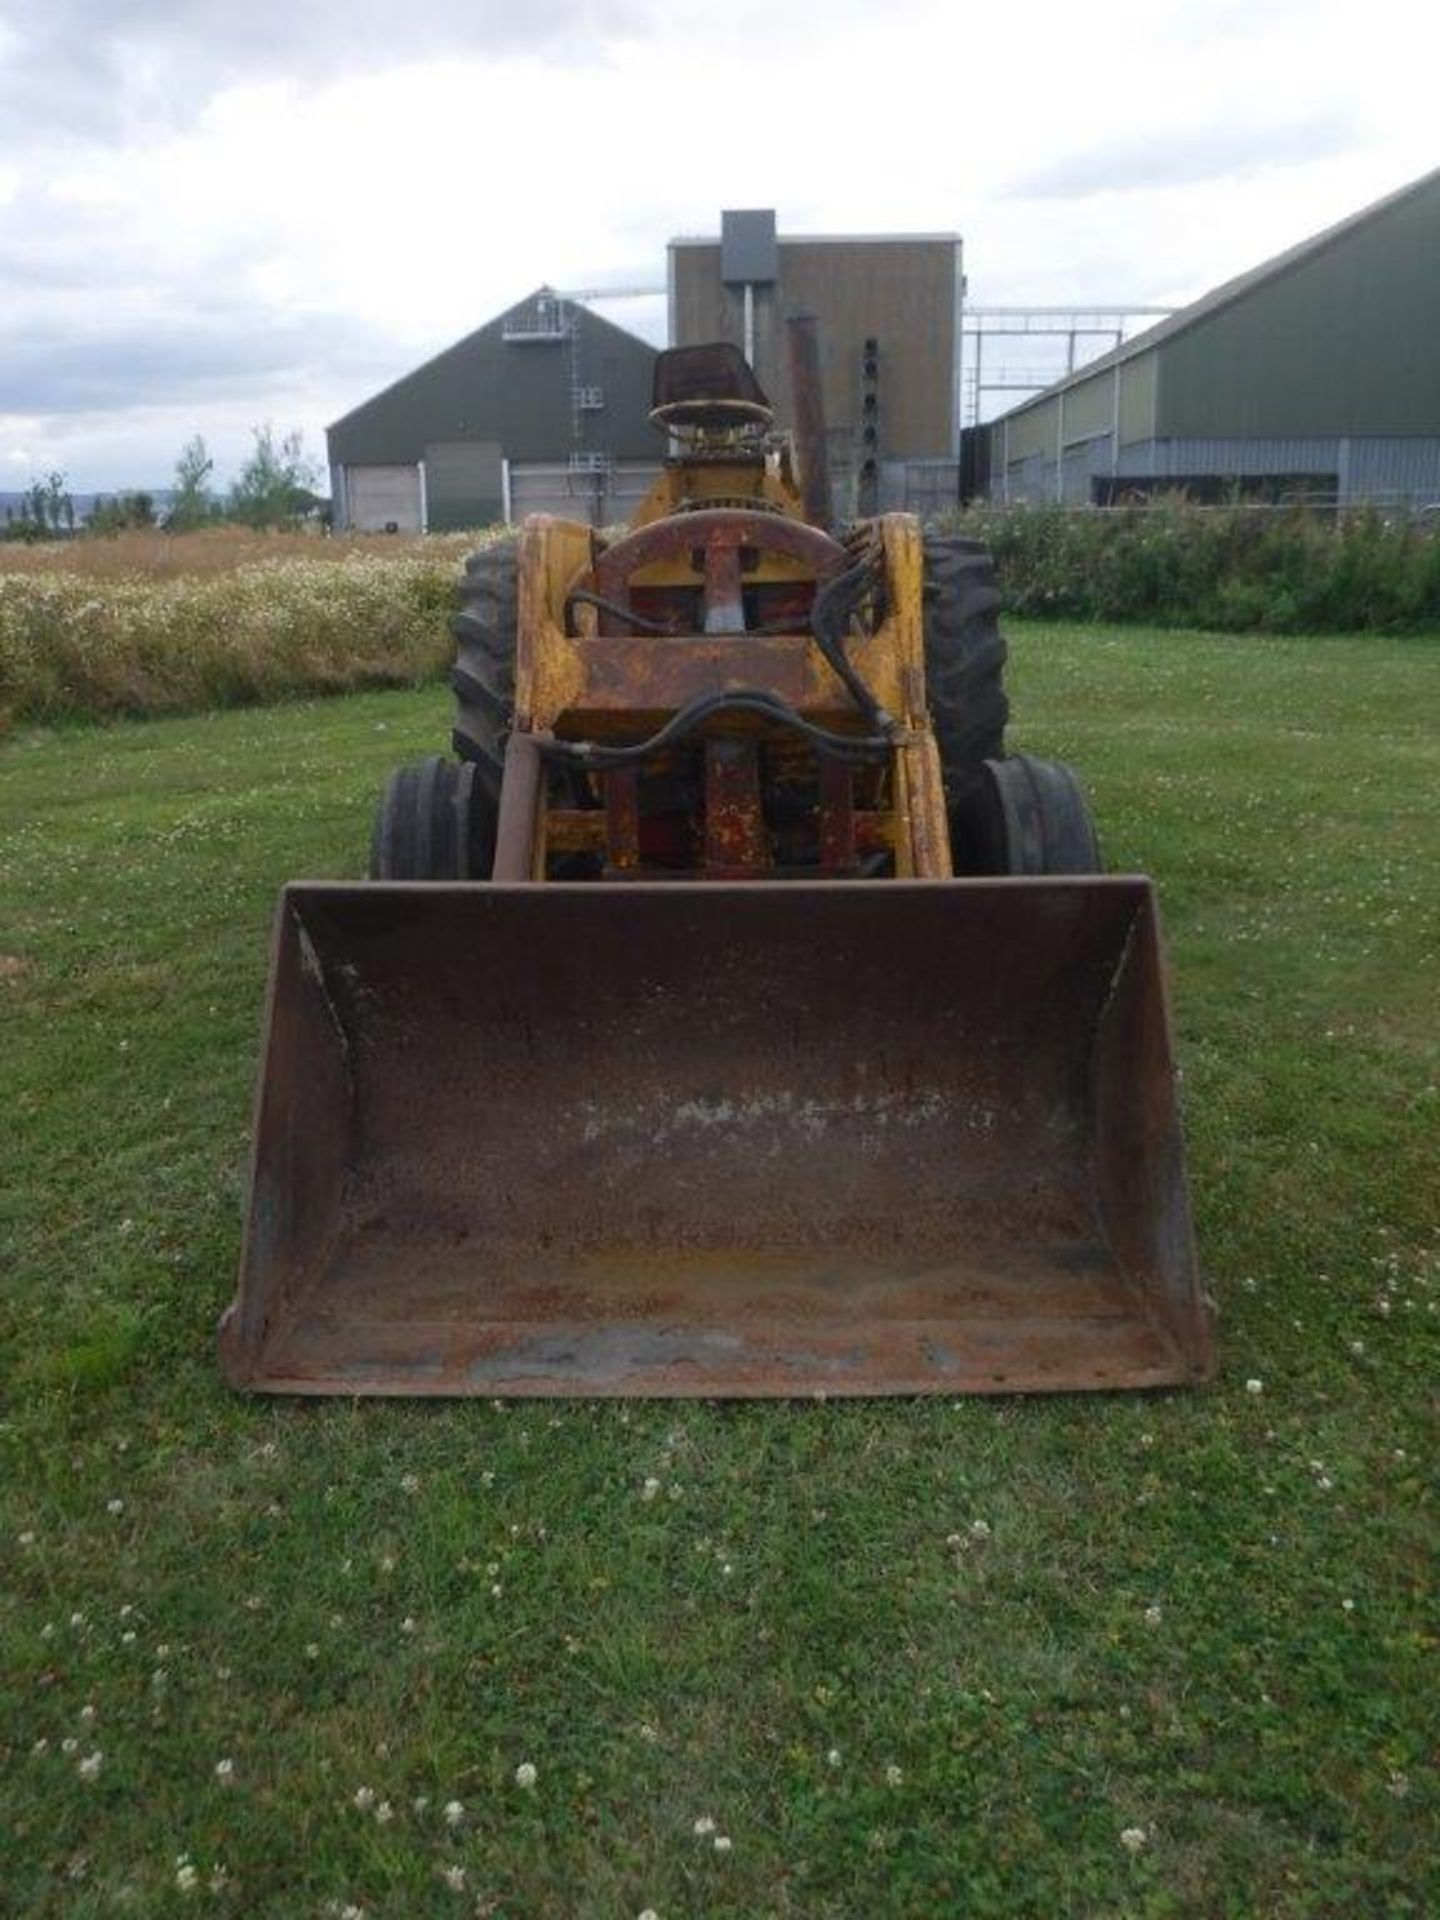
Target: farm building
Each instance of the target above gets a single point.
(888, 313)
(1314, 376)
(541, 410)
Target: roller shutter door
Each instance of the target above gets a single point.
(384, 499)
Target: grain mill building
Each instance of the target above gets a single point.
(541, 410)
(1315, 376)
(888, 313)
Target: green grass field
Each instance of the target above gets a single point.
(1125, 1656)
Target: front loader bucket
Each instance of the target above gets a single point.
(709, 1139)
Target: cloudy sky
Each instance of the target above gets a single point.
(221, 213)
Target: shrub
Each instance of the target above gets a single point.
(1265, 570)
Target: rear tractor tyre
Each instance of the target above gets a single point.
(484, 673)
(964, 659)
(436, 822)
(1024, 816)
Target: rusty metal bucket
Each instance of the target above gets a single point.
(690, 1139)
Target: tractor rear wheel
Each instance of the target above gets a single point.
(484, 673)
(964, 659)
(435, 822)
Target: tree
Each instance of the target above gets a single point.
(192, 503)
(276, 484)
(120, 512)
(46, 510)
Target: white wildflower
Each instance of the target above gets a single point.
(407, 1625)
(454, 1878)
(1152, 1616)
(832, 1758)
(722, 1843)
(114, 1506)
(89, 1767)
(525, 1775)
(1251, 1386)
(893, 1775)
(650, 1488)
(186, 1878)
(1133, 1838)
(384, 1813)
(704, 1825)
(410, 1483)
(979, 1529)
(225, 1772)
(454, 1813)
(364, 1798)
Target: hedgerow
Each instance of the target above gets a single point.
(1233, 569)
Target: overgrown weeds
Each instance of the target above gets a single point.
(292, 617)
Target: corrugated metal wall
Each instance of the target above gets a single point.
(1352, 471)
(1343, 342)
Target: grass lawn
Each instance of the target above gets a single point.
(1124, 1656)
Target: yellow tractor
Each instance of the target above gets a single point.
(731, 1015)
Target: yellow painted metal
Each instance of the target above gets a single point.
(587, 685)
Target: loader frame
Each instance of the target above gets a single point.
(585, 686)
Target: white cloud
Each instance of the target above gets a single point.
(218, 216)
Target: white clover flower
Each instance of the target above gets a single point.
(186, 1878)
(364, 1798)
(1251, 1386)
(1133, 1838)
(410, 1483)
(650, 1488)
(420, 1803)
(384, 1813)
(704, 1825)
(893, 1775)
(647, 1913)
(89, 1767)
(225, 1772)
(979, 1529)
(128, 1638)
(454, 1813)
(70, 1745)
(114, 1506)
(454, 1878)
(722, 1843)
(27, 1538)
(87, 1712)
(1347, 1606)
(525, 1775)
(1152, 1616)
(832, 1758)
(1357, 1347)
